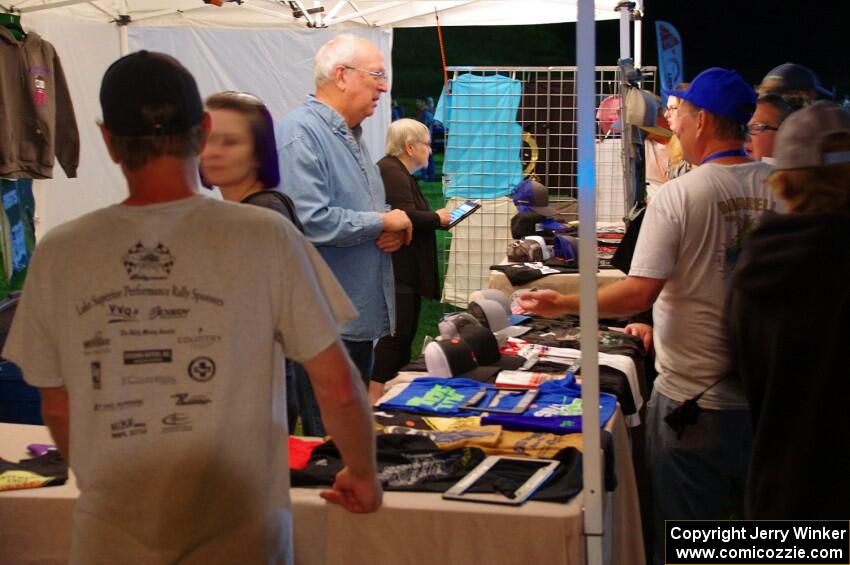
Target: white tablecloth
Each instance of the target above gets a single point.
(410, 529)
(565, 284)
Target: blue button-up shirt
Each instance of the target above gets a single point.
(338, 193)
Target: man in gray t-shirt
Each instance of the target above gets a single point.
(153, 329)
(685, 253)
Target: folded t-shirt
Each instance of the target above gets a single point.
(47, 470)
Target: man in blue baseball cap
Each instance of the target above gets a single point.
(698, 428)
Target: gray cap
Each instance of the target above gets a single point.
(799, 141)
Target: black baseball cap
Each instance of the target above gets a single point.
(454, 358)
(485, 347)
(149, 79)
(790, 77)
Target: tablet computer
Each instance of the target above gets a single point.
(462, 212)
(501, 479)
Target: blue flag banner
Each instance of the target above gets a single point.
(670, 69)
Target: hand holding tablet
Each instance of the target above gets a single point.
(461, 213)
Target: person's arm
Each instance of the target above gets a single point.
(643, 332)
(54, 411)
(628, 296)
(304, 177)
(398, 185)
(376, 391)
(398, 231)
(345, 413)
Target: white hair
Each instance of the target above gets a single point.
(404, 131)
(344, 49)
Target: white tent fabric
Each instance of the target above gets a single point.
(367, 13)
(87, 39)
(257, 46)
(276, 65)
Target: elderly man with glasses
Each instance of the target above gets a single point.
(339, 196)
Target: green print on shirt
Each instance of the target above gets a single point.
(438, 398)
(571, 408)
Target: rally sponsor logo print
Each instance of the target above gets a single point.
(147, 332)
(118, 314)
(177, 422)
(200, 340)
(201, 369)
(148, 263)
(118, 405)
(127, 427)
(147, 356)
(148, 380)
(186, 399)
(97, 344)
(160, 313)
(96, 375)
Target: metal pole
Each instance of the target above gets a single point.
(589, 322)
(122, 40)
(639, 36)
(625, 29)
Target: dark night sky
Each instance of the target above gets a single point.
(750, 36)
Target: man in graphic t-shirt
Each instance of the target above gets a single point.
(690, 240)
(153, 330)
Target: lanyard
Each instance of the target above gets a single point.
(721, 154)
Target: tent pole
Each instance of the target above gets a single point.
(440, 9)
(639, 35)
(124, 45)
(360, 13)
(38, 8)
(588, 311)
(625, 9)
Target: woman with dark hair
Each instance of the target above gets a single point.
(240, 156)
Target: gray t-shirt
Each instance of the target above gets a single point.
(162, 323)
(691, 237)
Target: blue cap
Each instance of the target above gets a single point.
(722, 92)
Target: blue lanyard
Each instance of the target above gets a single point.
(727, 153)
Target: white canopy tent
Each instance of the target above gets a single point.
(266, 47)
(260, 46)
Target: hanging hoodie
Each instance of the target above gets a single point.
(36, 115)
(789, 311)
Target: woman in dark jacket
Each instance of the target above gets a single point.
(789, 311)
(415, 266)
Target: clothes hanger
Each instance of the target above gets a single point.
(12, 23)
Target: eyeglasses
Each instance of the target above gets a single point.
(379, 76)
(757, 128)
(671, 109)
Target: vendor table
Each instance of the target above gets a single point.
(410, 528)
(563, 283)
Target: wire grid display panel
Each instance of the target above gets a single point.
(508, 123)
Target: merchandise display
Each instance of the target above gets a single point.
(482, 157)
(37, 112)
